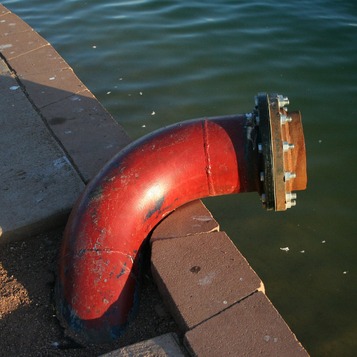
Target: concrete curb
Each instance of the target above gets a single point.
(162, 346)
(215, 296)
(62, 123)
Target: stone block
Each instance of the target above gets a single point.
(14, 45)
(161, 346)
(10, 24)
(88, 132)
(199, 276)
(252, 327)
(46, 77)
(38, 183)
(3, 10)
(189, 219)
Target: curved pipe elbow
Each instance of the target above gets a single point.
(98, 267)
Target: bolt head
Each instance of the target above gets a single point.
(285, 119)
(287, 146)
(289, 175)
(283, 101)
(290, 204)
(290, 196)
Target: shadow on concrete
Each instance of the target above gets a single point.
(55, 141)
(31, 328)
(51, 149)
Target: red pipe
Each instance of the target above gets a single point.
(98, 270)
(131, 194)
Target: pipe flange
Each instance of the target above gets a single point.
(282, 146)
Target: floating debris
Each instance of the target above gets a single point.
(141, 93)
(94, 46)
(109, 92)
(143, 126)
(14, 87)
(285, 249)
(323, 241)
(345, 272)
(153, 113)
(302, 251)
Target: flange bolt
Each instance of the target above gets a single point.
(290, 196)
(290, 204)
(285, 118)
(289, 175)
(287, 146)
(283, 101)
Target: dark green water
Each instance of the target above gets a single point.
(153, 63)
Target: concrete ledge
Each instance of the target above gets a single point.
(38, 183)
(251, 327)
(161, 346)
(189, 219)
(200, 276)
(62, 100)
(216, 298)
(56, 133)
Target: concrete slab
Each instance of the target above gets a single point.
(56, 134)
(46, 77)
(199, 276)
(38, 183)
(191, 218)
(251, 327)
(10, 24)
(3, 10)
(87, 131)
(161, 346)
(14, 45)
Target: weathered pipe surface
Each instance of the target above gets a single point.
(96, 291)
(98, 273)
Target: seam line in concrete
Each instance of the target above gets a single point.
(64, 98)
(38, 111)
(216, 229)
(226, 308)
(5, 13)
(30, 51)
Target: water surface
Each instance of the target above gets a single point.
(153, 63)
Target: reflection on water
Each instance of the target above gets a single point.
(153, 63)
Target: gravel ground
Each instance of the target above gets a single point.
(28, 323)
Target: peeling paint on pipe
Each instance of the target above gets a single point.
(96, 290)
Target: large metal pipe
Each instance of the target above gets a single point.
(98, 268)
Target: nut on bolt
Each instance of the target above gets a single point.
(282, 101)
(287, 146)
